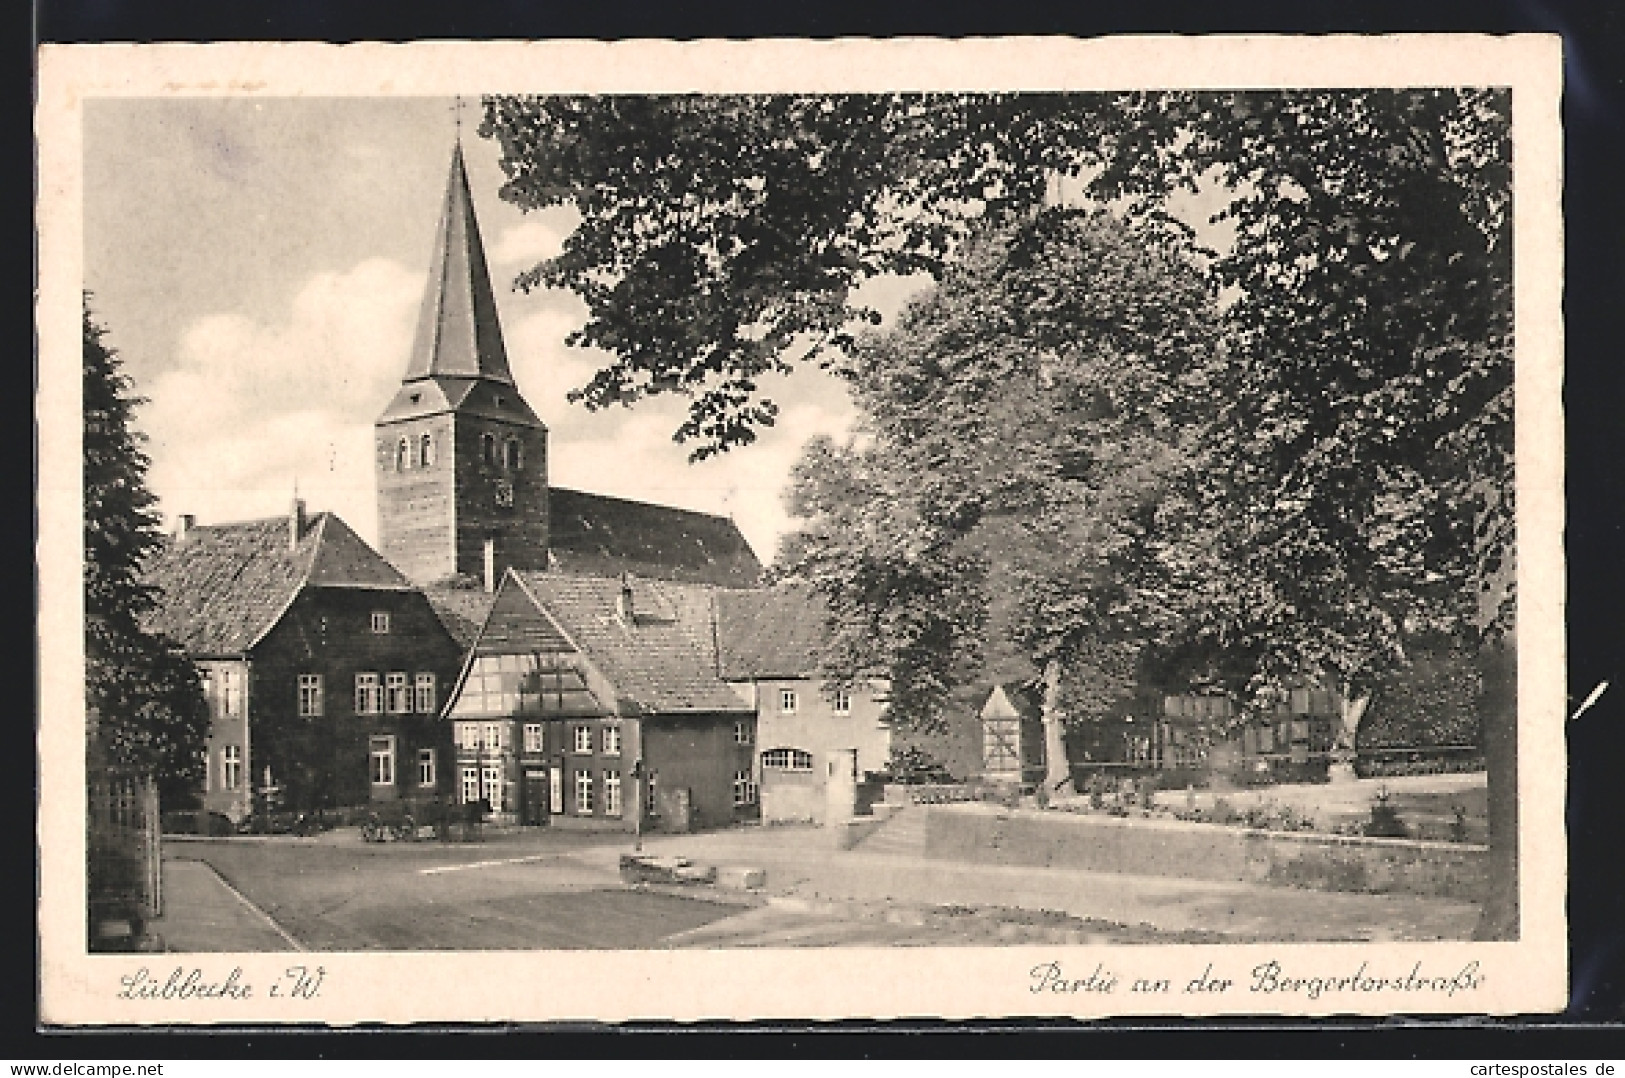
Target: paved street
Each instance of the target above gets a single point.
(561, 890)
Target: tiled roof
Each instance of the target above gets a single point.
(461, 610)
(224, 585)
(598, 534)
(770, 633)
(660, 664)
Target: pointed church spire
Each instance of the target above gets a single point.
(458, 335)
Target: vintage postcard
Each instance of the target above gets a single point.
(780, 529)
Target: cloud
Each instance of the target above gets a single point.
(252, 407)
(523, 245)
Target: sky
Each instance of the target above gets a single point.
(259, 265)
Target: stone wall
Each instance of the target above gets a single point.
(1152, 847)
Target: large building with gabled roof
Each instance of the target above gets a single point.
(324, 668)
(596, 701)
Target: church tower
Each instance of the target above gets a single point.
(461, 460)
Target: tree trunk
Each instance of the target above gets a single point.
(1057, 770)
(1498, 710)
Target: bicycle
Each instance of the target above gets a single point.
(372, 829)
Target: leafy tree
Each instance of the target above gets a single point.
(1032, 434)
(144, 694)
(1364, 466)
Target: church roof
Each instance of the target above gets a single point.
(774, 632)
(458, 335)
(661, 660)
(600, 535)
(224, 586)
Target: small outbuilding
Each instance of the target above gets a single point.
(1012, 735)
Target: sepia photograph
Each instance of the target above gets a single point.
(1078, 531)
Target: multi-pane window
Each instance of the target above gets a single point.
(744, 788)
(231, 692)
(310, 695)
(843, 702)
(787, 700)
(651, 803)
(369, 698)
(231, 770)
(380, 621)
(533, 737)
(471, 785)
(425, 702)
(468, 736)
(743, 734)
(381, 753)
(583, 793)
(787, 760)
(612, 793)
(493, 736)
(396, 700)
(426, 774)
(583, 739)
(612, 740)
(492, 786)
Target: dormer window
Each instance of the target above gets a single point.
(488, 448)
(510, 453)
(425, 451)
(403, 454)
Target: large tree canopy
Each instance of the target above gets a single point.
(1032, 433)
(1368, 286)
(145, 695)
(1363, 463)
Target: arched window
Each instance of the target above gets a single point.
(425, 451)
(510, 453)
(787, 760)
(402, 455)
(488, 448)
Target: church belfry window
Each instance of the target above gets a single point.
(426, 451)
(403, 454)
(488, 448)
(510, 451)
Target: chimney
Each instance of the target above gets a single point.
(183, 526)
(296, 523)
(623, 603)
